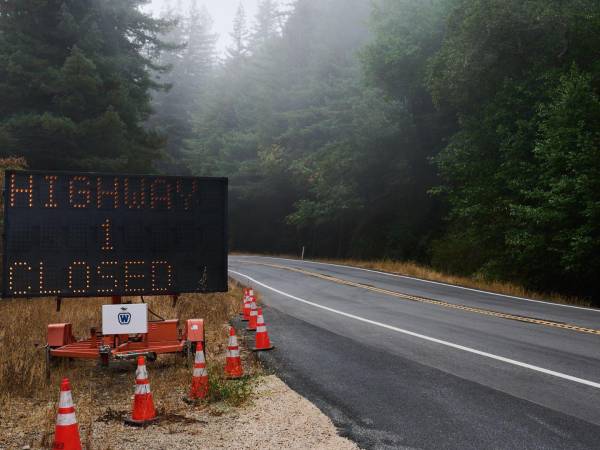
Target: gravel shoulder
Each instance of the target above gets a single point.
(276, 417)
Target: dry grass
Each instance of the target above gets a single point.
(28, 400)
(427, 273)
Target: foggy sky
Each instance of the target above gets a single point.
(222, 12)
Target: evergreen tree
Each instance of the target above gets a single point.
(75, 83)
(240, 35)
(192, 61)
(266, 25)
(516, 174)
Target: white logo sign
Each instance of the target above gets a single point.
(125, 319)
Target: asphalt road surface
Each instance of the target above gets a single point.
(398, 362)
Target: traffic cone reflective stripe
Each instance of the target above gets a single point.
(233, 362)
(143, 403)
(262, 341)
(245, 295)
(200, 384)
(247, 309)
(253, 316)
(66, 436)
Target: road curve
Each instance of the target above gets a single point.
(399, 362)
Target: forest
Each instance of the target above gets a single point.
(460, 134)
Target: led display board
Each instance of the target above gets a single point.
(88, 234)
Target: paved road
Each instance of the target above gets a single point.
(397, 373)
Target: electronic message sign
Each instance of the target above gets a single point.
(88, 234)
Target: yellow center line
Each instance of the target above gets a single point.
(415, 298)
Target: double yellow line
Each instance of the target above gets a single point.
(415, 298)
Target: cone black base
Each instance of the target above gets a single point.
(263, 349)
(139, 423)
(192, 401)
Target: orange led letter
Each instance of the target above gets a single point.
(43, 290)
(103, 276)
(11, 277)
(112, 194)
(107, 242)
(133, 276)
(155, 269)
(14, 190)
(187, 196)
(156, 197)
(85, 278)
(51, 203)
(80, 197)
(137, 200)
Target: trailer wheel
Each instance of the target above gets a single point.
(104, 359)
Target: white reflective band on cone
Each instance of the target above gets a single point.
(260, 329)
(199, 372)
(141, 389)
(65, 399)
(233, 353)
(141, 373)
(199, 357)
(66, 419)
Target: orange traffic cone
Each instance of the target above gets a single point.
(253, 316)
(233, 362)
(67, 431)
(199, 389)
(143, 403)
(247, 309)
(245, 295)
(262, 341)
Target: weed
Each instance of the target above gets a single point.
(232, 392)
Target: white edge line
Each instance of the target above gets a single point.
(427, 338)
(427, 281)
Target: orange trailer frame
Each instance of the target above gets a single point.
(163, 336)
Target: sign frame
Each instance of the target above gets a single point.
(5, 292)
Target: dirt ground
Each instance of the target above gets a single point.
(274, 417)
(257, 412)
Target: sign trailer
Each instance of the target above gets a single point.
(101, 235)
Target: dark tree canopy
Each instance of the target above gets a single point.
(463, 134)
(75, 83)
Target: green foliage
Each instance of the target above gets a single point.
(191, 57)
(75, 83)
(318, 158)
(232, 392)
(521, 174)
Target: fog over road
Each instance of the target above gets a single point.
(404, 363)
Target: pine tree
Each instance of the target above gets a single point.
(266, 24)
(192, 61)
(75, 83)
(239, 50)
